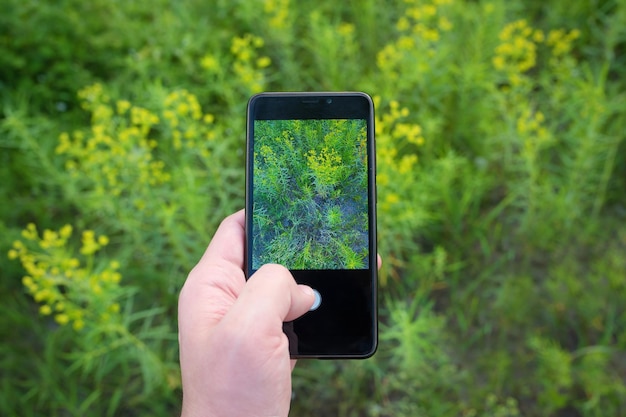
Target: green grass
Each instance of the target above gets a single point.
(501, 165)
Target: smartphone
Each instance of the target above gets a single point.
(311, 207)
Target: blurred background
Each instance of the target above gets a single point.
(501, 184)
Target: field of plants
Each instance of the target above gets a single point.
(310, 207)
(501, 163)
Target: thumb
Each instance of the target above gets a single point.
(272, 293)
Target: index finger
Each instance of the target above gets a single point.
(215, 282)
(227, 244)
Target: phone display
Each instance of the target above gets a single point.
(311, 207)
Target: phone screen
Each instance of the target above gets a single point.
(310, 194)
(310, 207)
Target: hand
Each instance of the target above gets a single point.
(234, 355)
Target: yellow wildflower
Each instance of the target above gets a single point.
(209, 63)
(122, 106)
(263, 62)
(62, 319)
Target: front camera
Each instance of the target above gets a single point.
(329, 100)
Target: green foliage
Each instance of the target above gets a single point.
(501, 182)
(310, 190)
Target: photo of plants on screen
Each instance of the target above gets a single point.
(310, 194)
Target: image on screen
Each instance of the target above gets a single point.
(310, 191)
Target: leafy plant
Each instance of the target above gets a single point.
(310, 191)
(501, 184)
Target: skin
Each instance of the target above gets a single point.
(234, 355)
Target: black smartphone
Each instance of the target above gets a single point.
(311, 206)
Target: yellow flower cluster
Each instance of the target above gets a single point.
(242, 67)
(518, 49)
(423, 20)
(210, 63)
(248, 65)
(188, 126)
(116, 154)
(326, 166)
(346, 29)
(119, 156)
(92, 95)
(278, 13)
(396, 142)
(90, 244)
(531, 127)
(561, 41)
(419, 28)
(530, 123)
(73, 294)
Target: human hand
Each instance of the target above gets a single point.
(234, 355)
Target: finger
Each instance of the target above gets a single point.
(272, 293)
(221, 265)
(228, 242)
(380, 260)
(215, 282)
